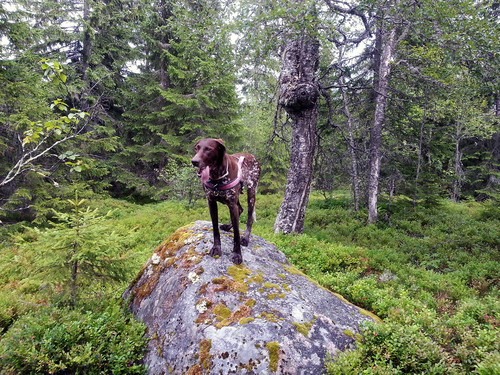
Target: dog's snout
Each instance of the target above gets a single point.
(195, 163)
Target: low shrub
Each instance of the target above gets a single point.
(54, 340)
(392, 349)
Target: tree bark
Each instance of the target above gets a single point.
(388, 45)
(352, 148)
(299, 93)
(419, 159)
(458, 168)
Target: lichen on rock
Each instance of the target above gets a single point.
(206, 315)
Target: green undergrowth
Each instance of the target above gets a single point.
(54, 340)
(430, 273)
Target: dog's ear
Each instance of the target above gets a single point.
(222, 147)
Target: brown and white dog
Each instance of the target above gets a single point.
(224, 177)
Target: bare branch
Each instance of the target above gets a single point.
(27, 158)
(352, 10)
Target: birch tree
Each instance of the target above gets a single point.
(298, 96)
(391, 29)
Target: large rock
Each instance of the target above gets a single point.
(208, 316)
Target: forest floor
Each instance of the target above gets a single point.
(430, 273)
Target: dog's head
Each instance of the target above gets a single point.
(209, 152)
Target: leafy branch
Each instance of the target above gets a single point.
(44, 136)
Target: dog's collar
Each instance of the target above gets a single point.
(217, 186)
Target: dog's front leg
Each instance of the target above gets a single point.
(214, 215)
(235, 221)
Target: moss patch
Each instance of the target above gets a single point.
(239, 273)
(221, 312)
(270, 317)
(144, 290)
(190, 258)
(304, 328)
(349, 333)
(268, 285)
(205, 357)
(273, 296)
(166, 251)
(286, 287)
(195, 370)
(244, 321)
(243, 276)
(250, 302)
(257, 278)
(294, 270)
(242, 313)
(370, 314)
(273, 348)
(174, 242)
(225, 284)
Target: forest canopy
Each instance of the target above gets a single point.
(107, 97)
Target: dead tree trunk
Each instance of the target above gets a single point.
(299, 93)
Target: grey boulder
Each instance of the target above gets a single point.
(208, 316)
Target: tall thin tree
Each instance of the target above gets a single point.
(390, 31)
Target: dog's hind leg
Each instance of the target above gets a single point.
(228, 227)
(235, 217)
(251, 193)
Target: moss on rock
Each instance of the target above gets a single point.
(304, 328)
(273, 348)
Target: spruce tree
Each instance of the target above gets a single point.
(74, 254)
(185, 90)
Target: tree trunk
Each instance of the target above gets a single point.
(495, 151)
(352, 149)
(74, 286)
(494, 180)
(86, 52)
(299, 93)
(388, 43)
(458, 168)
(419, 159)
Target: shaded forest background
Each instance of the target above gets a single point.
(107, 97)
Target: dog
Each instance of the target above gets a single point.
(223, 177)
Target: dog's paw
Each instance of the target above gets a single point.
(237, 258)
(215, 251)
(226, 227)
(244, 241)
